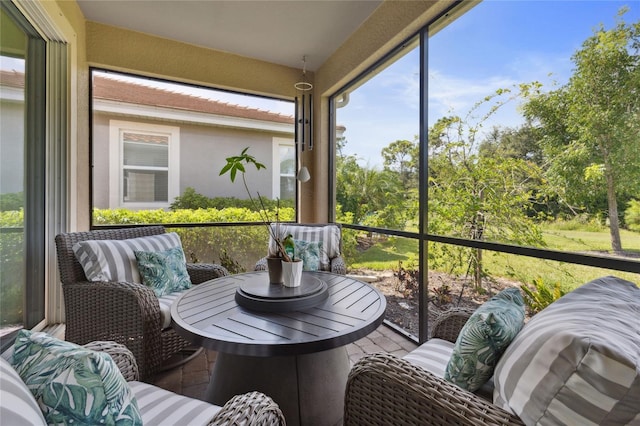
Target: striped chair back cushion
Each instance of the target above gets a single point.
(578, 360)
(17, 404)
(329, 235)
(115, 260)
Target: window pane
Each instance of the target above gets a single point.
(12, 241)
(287, 172)
(22, 165)
(528, 142)
(144, 152)
(160, 145)
(145, 186)
(377, 127)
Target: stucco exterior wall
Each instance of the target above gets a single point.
(11, 153)
(203, 150)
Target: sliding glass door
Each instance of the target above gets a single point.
(22, 172)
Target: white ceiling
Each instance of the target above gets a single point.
(271, 30)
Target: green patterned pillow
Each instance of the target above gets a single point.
(72, 384)
(309, 252)
(484, 338)
(163, 271)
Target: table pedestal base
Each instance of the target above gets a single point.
(308, 388)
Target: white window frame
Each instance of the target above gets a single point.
(116, 157)
(276, 174)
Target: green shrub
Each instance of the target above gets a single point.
(11, 201)
(192, 200)
(542, 295)
(236, 247)
(632, 215)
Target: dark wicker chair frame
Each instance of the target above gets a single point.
(126, 313)
(383, 389)
(337, 265)
(250, 409)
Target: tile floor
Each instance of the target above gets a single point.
(191, 379)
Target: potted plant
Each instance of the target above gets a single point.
(235, 165)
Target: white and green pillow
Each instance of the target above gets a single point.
(484, 338)
(72, 384)
(114, 260)
(165, 271)
(310, 252)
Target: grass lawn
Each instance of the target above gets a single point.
(385, 256)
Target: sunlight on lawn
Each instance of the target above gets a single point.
(385, 255)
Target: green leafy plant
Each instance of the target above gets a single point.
(632, 215)
(236, 164)
(542, 295)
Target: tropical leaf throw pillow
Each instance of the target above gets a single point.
(72, 384)
(310, 253)
(484, 338)
(164, 271)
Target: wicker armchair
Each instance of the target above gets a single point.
(251, 409)
(126, 313)
(307, 231)
(383, 389)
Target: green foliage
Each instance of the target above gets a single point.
(11, 267)
(542, 295)
(374, 197)
(235, 164)
(588, 129)
(11, 201)
(238, 246)
(581, 222)
(632, 215)
(479, 197)
(190, 199)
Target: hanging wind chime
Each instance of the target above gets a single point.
(304, 119)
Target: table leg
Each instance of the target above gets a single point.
(308, 388)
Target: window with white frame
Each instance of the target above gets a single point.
(284, 178)
(144, 164)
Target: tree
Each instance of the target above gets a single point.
(479, 197)
(401, 156)
(590, 126)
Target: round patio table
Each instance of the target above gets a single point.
(298, 357)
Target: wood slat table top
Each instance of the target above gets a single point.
(209, 316)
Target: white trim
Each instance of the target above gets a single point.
(276, 143)
(61, 98)
(116, 127)
(163, 113)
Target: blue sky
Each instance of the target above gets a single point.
(494, 45)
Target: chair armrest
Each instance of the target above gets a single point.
(383, 389)
(448, 324)
(338, 266)
(201, 272)
(126, 313)
(252, 408)
(122, 356)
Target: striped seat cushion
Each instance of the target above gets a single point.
(329, 235)
(577, 361)
(160, 407)
(17, 404)
(433, 355)
(115, 260)
(165, 307)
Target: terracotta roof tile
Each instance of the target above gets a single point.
(110, 89)
(120, 91)
(12, 78)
